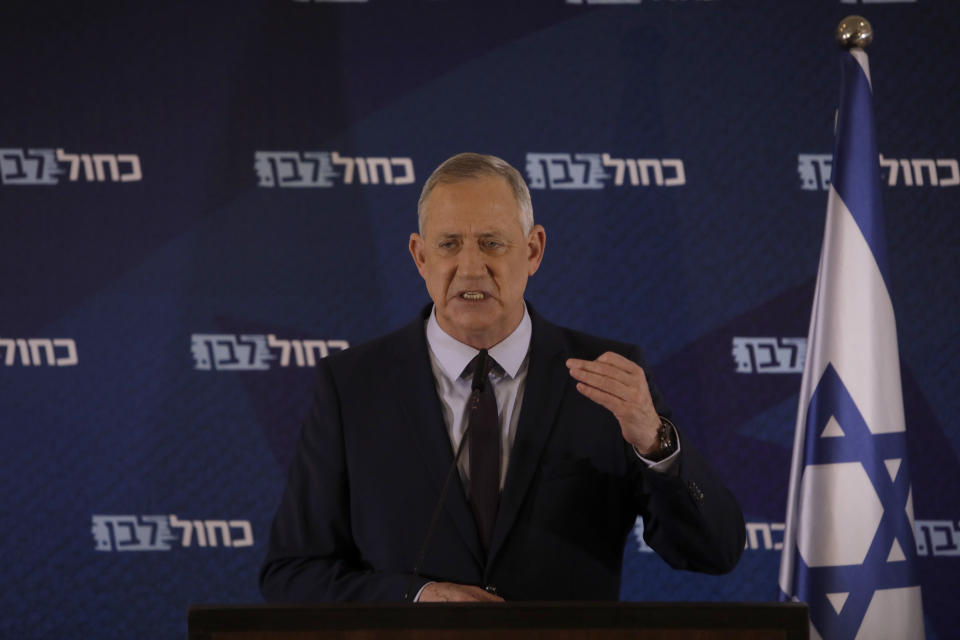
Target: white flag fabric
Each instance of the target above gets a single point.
(849, 549)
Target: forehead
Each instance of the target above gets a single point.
(481, 204)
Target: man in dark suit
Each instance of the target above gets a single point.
(584, 439)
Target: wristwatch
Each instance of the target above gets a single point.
(666, 439)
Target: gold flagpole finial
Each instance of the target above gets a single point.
(854, 31)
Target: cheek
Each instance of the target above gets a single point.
(516, 276)
(438, 278)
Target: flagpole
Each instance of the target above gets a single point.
(853, 34)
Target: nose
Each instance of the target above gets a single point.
(472, 262)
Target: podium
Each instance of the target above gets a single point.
(506, 621)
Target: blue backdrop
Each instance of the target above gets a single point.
(198, 200)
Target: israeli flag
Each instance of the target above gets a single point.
(849, 549)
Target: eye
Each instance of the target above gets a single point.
(491, 244)
(448, 245)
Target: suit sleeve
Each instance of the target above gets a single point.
(690, 518)
(311, 555)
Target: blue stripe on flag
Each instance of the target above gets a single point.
(856, 162)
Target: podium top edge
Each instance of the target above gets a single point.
(208, 618)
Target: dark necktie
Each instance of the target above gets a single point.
(484, 437)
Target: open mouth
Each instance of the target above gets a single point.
(473, 296)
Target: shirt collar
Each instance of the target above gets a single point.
(453, 356)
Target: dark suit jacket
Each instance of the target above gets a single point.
(374, 453)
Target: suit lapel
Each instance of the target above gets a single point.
(547, 378)
(413, 379)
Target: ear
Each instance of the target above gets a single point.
(536, 244)
(417, 246)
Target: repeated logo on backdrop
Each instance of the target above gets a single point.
(598, 170)
(934, 537)
(163, 533)
(53, 352)
(181, 293)
(815, 170)
(769, 355)
(324, 169)
(761, 536)
(256, 352)
(48, 166)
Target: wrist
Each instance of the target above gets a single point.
(664, 444)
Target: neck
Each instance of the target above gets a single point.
(485, 338)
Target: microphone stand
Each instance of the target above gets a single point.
(476, 388)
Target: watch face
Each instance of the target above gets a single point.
(665, 435)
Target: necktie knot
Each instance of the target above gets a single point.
(481, 359)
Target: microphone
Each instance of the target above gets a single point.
(479, 379)
(476, 388)
(479, 374)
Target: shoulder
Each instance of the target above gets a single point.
(384, 353)
(578, 344)
(586, 345)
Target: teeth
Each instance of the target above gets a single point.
(473, 295)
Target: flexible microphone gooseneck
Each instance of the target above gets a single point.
(476, 388)
(479, 376)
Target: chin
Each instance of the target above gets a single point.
(472, 321)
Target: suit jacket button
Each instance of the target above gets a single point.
(695, 492)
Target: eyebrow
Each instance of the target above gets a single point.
(483, 234)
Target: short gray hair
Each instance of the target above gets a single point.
(464, 166)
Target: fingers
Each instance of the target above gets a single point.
(611, 373)
(611, 365)
(452, 592)
(486, 596)
(608, 384)
(606, 400)
(609, 359)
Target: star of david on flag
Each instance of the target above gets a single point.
(849, 549)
